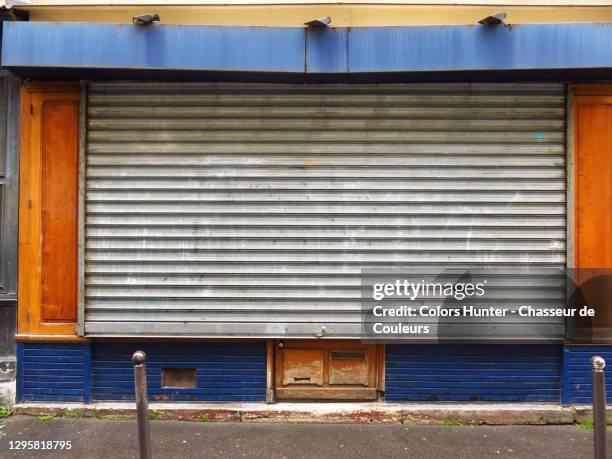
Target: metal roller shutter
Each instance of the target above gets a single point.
(249, 209)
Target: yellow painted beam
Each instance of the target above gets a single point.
(342, 15)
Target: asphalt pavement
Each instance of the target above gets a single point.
(102, 438)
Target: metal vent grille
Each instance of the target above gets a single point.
(249, 209)
(342, 355)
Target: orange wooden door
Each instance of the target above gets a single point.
(60, 158)
(48, 210)
(593, 182)
(593, 210)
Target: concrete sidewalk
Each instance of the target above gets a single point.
(94, 438)
(354, 413)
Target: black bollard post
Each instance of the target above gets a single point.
(142, 404)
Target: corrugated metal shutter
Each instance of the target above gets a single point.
(249, 209)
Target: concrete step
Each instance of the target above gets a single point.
(375, 412)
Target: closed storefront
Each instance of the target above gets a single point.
(220, 210)
(249, 210)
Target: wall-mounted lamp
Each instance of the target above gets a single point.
(145, 19)
(321, 22)
(494, 19)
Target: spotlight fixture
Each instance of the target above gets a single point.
(321, 22)
(145, 19)
(494, 19)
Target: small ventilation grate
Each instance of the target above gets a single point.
(184, 378)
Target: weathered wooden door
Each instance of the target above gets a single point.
(327, 370)
(593, 181)
(48, 209)
(593, 208)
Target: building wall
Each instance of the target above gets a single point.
(346, 15)
(236, 371)
(473, 373)
(103, 371)
(578, 372)
(9, 103)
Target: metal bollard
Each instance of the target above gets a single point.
(599, 406)
(142, 404)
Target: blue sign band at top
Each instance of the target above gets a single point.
(307, 51)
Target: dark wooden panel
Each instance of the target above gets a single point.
(60, 212)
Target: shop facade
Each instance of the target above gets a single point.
(212, 193)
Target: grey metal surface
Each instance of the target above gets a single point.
(81, 221)
(8, 321)
(9, 180)
(9, 170)
(249, 210)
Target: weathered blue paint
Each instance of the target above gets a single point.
(580, 378)
(52, 372)
(327, 50)
(289, 50)
(461, 48)
(69, 45)
(565, 378)
(496, 373)
(60, 372)
(224, 371)
(87, 374)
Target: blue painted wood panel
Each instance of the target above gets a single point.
(184, 47)
(476, 47)
(296, 50)
(473, 373)
(53, 372)
(58, 372)
(224, 371)
(326, 50)
(580, 379)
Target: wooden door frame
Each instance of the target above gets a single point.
(30, 325)
(274, 360)
(581, 95)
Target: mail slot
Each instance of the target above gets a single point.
(303, 366)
